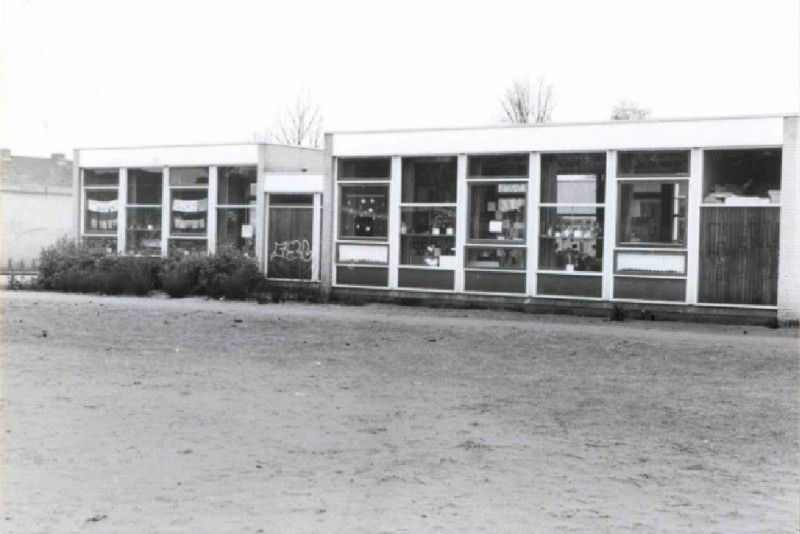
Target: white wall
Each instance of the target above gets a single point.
(32, 221)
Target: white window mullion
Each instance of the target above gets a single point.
(533, 218)
(213, 187)
(610, 225)
(462, 213)
(395, 192)
(122, 213)
(695, 194)
(166, 205)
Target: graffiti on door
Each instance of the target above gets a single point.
(295, 250)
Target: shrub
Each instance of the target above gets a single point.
(229, 273)
(70, 266)
(617, 313)
(180, 276)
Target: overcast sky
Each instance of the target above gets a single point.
(80, 73)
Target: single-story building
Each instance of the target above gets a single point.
(695, 216)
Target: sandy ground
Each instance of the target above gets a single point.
(158, 415)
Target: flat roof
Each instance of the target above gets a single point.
(191, 145)
(561, 124)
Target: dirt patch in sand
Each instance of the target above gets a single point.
(157, 415)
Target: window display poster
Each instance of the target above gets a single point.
(496, 227)
(247, 231)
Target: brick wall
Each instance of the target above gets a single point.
(789, 265)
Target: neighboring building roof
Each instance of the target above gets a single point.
(55, 171)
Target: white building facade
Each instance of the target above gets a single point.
(679, 216)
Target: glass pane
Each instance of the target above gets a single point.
(653, 163)
(290, 243)
(428, 237)
(429, 180)
(144, 186)
(364, 211)
(652, 213)
(291, 200)
(500, 166)
(237, 185)
(189, 212)
(143, 232)
(100, 176)
(365, 169)
(187, 246)
(495, 258)
(101, 245)
(574, 178)
(101, 212)
(497, 211)
(236, 227)
(188, 176)
(571, 239)
(742, 177)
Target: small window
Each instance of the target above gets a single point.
(501, 166)
(365, 169)
(188, 176)
(652, 213)
(143, 232)
(237, 186)
(429, 180)
(653, 163)
(363, 211)
(495, 258)
(101, 177)
(144, 186)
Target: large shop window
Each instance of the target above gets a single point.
(189, 210)
(291, 231)
(427, 237)
(572, 239)
(652, 213)
(364, 212)
(143, 215)
(236, 208)
(101, 209)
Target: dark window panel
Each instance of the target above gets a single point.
(574, 178)
(565, 285)
(429, 180)
(236, 185)
(363, 211)
(490, 282)
(426, 278)
(144, 186)
(365, 168)
(100, 176)
(188, 176)
(653, 163)
(499, 166)
(362, 276)
(666, 289)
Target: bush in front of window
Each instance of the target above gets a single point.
(229, 274)
(71, 266)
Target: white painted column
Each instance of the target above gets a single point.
(789, 255)
(213, 187)
(462, 213)
(395, 194)
(695, 194)
(166, 205)
(260, 222)
(610, 226)
(316, 237)
(122, 214)
(533, 219)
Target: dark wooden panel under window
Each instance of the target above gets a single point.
(739, 255)
(565, 285)
(425, 278)
(494, 282)
(666, 289)
(362, 276)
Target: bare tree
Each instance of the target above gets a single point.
(626, 110)
(300, 123)
(523, 103)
